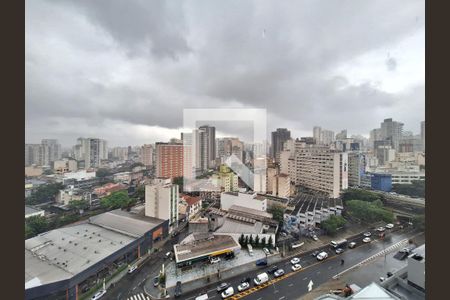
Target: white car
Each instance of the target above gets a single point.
(296, 267)
(381, 229)
(389, 226)
(132, 269)
(315, 237)
(214, 260)
(367, 240)
(266, 251)
(228, 292)
(295, 260)
(322, 255)
(98, 295)
(278, 273)
(243, 286)
(368, 233)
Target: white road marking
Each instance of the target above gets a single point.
(281, 298)
(305, 278)
(291, 284)
(330, 267)
(318, 272)
(276, 291)
(259, 298)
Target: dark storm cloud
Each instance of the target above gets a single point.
(141, 62)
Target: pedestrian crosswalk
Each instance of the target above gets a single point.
(139, 296)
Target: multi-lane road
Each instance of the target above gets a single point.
(295, 284)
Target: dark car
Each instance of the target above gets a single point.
(229, 256)
(261, 262)
(246, 279)
(178, 289)
(222, 287)
(315, 253)
(156, 281)
(272, 269)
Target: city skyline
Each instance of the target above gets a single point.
(89, 75)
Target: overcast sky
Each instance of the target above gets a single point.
(124, 70)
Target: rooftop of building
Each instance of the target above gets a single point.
(64, 252)
(190, 200)
(250, 211)
(132, 224)
(30, 210)
(203, 245)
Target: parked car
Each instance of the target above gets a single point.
(296, 267)
(156, 281)
(389, 226)
(322, 255)
(352, 245)
(246, 279)
(272, 269)
(243, 286)
(214, 260)
(132, 269)
(339, 250)
(295, 260)
(228, 292)
(223, 286)
(168, 255)
(314, 237)
(278, 273)
(367, 240)
(315, 253)
(367, 233)
(178, 289)
(261, 262)
(266, 251)
(98, 295)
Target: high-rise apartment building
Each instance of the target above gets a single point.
(375, 136)
(161, 200)
(228, 146)
(120, 153)
(279, 136)
(356, 168)
(42, 154)
(392, 131)
(323, 136)
(91, 150)
(321, 169)
(341, 135)
(147, 155)
(169, 160)
(210, 143)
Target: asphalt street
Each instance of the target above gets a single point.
(294, 286)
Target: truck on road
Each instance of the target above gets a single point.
(261, 278)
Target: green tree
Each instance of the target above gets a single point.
(368, 212)
(44, 193)
(36, 225)
(119, 199)
(263, 241)
(257, 241)
(415, 189)
(359, 194)
(78, 204)
(251, 241)
(277, 212)
(332, 224)
(246, 240)
(241, 239)
(179, 181)
(270, 242)
(102, 172)
(140, 193)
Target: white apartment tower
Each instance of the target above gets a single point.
(161, 200)
(320, 169)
